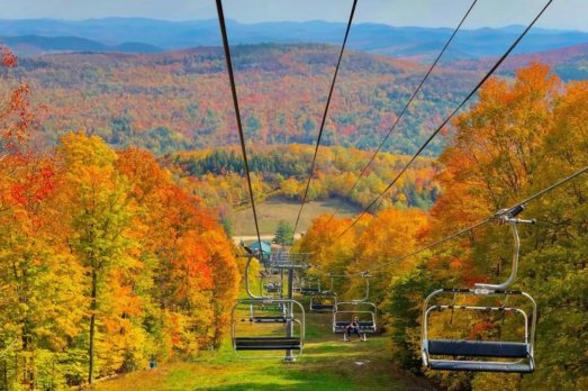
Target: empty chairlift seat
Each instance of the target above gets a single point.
(288, 341)
(310, 288)
(478, 355)
(323, 302)
(478, 348)
(465, 348)
(268, 343)
(269, 319)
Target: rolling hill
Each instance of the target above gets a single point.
(412, 42)
(173, 100)
(179, 100)
(570, 63)
(35, 45)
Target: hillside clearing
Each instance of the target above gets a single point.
(271, 211)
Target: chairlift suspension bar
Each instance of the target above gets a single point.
(290, 307)
(246, 278)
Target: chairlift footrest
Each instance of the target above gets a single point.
(480, 366)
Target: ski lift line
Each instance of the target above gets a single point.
(433, 245)
(324, 117)
(408, 103)
(483, 221)
(480, 223)
(451, 115)
(223, 28)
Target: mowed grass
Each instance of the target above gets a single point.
(272, 211)
(328, 363)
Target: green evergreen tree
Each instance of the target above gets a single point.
(284, 233)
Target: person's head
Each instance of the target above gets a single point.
(356, 318)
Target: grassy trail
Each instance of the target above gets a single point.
(328, 363)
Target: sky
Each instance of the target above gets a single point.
(563, 14)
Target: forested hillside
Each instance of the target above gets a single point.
(178, 100)
(105, 263)
(519, 138)
(216, 176)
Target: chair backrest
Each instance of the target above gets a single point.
(478, 348)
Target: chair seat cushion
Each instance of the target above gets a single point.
(269, 319)
(478, 348)
(267, 343)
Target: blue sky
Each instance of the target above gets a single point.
(563, 14)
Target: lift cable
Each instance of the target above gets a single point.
(324, 117)
(223, 28)
(407, 105)
(480, 223)
(446, 121)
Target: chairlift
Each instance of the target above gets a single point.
(481, 355)
(268, 310)
(273, 285)
(310, 286)
(281, 260)
(324, 301)
(289, 341)
(344, 312)
(366, 311)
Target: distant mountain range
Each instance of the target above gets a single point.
(138, 35)
(30, 45)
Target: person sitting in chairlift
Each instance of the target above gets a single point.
(353, 328)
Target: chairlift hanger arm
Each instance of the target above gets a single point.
(509, 218)
(246, 278)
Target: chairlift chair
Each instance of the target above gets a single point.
(324, 301)
(344, 312)
(287, 260)
(273, 287)
(270, 342)
(309, 287)
(477, 355)
(515, 356)
(283, 314)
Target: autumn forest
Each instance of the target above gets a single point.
(122, 183)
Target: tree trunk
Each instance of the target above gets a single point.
(92, 327)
